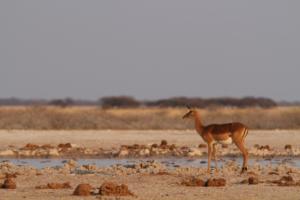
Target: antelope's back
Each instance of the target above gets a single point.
(225, 128)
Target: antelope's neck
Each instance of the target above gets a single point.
(198, 124)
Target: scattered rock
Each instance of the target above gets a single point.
(144, 152)
(47, 146)
(215, 182)
(89, 167)
(53, 152)
(65, 146)
(7, 152)
(123, 153)
(70, 164)
(112, 189)
(172, 147)
(253, 180)
(83, 190)
(12, 175)
(193, 182)
(245, 181)
(65, 185)
(285, 181)
(30, 146)
(224, 146)
(9, 183)
(273, 173)
(288, 147)
(264, 147)
(163, 143)
(202, 146)
(194, 152)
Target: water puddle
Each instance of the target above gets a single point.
(169, 162)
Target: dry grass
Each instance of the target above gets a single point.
(45, 118)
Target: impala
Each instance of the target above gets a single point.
(220, 134)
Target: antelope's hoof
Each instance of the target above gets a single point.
(244, 169)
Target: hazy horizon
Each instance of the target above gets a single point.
(149, 50)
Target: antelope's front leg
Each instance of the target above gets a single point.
(210, 146)
(215, 157)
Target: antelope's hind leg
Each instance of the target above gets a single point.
(244, 151)
(210, 151)
(214, 152)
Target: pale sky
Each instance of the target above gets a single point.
(150, 49)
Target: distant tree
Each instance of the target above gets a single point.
(119, 101)
(62, 102)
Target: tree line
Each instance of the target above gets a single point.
(131, 102)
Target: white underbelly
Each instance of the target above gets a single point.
(227, 141)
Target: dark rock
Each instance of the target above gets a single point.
(215, 182)
(83, 190)
(113, 189)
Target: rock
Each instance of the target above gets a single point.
(47, 146)
(123, 153)
(112, 189)
(30, 146)
(144, 152)
(83, 190)
(65, 185)
(288, 147)
(224, 146)
(253, 180)
(9, 183)
(193, 182)
(26, 153)
(172, 147)
(7, 152)
(11, 175)
(215, 182)
(194, 152)
(202, 146)
(264, 147)
(53, 152)
(285, 181)
(65, 146)
(70, 164)
(90, 167)
(245, 181)
(273, 173)
(163, 143)
(154, 146)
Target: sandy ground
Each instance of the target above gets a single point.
(113, 138)
(147, 186)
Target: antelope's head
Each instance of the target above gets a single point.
(190, 114)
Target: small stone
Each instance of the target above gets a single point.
(9, 184)
(288, 147)
(83, 190)
(112, 189)
(193, 182)
(53, 152)
(202, 146)
(215, 182)
(253, 180)
(163, 143)
(123, 153)
(65, 146)
(7, 152)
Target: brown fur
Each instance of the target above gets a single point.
(214, 133)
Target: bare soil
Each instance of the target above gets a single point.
(165, 185)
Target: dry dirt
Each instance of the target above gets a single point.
(165, 185)
(115, 138)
